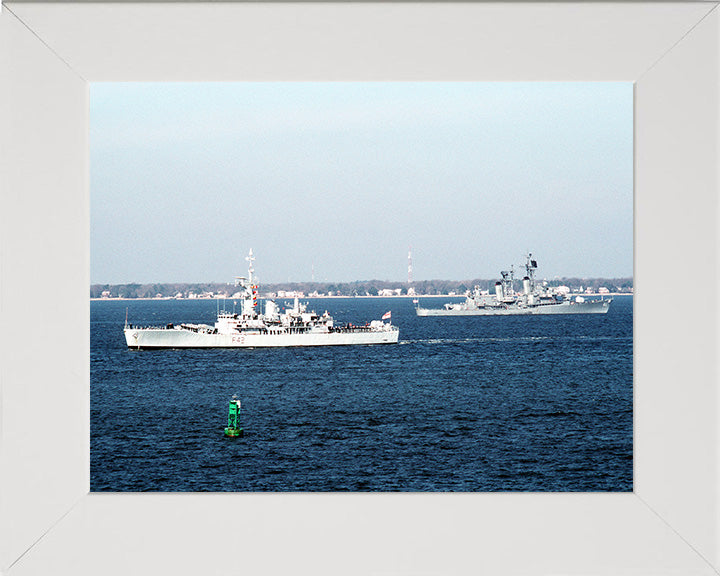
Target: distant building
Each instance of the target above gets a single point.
(105, 294)
(290, 294)
(603, 290)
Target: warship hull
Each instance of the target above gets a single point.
(568, 307)
(533, 300)
(295, 326)
(147, 338)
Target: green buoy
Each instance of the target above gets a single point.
(233, 429)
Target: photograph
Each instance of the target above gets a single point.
(361, 286)
(383, 289)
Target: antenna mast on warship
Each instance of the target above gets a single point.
(530, 267)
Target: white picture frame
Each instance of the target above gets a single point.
(49, 521)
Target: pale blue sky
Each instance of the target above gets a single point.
(185, 178)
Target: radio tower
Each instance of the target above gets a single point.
(410, 278)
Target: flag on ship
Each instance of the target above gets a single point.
(387, 315)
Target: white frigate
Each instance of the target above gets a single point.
(251, 329)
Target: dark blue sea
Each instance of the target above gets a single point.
(467, 404)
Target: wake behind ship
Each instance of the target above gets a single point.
(250, 329)
(533, 299)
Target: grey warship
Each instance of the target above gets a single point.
(533, 299)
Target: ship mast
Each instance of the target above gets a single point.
(249, 296)
(250, 258)
(530, 267)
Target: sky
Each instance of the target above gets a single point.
(337, 181)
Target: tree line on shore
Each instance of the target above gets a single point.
(357, 288)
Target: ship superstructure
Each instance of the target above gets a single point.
(249, 328)
(534, 298)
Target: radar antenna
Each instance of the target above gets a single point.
(250, 258)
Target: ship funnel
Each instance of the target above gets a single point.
(526, 285)
(499, 290)
(271, 309)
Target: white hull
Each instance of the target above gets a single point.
(592, 307)
(183, 338)
(250, 329)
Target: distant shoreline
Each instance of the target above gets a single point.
(401, 296)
